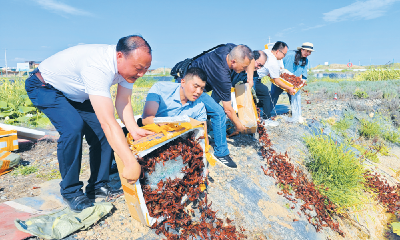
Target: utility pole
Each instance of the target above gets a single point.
(5, 56)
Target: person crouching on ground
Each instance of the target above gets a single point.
(296, 62)
(272, 68)
(72, 88)
(168, 99)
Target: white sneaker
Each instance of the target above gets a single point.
(301, 119)
(270, 123)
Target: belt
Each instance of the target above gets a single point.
(38, 75)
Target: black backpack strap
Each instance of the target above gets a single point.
(180, 69)
(209, 50)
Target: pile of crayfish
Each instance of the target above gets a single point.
(295, 81)
(166, 200)
(317, 208)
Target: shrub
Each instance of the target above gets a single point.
(391, 136)
(343, 124)
(369, 129)
(380, 74)
(335, 170)
(360, 94)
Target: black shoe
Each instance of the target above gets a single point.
(104, 192)
(77, 204)
(227, 161)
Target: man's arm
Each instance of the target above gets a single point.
(230, 112)
(104, 109)
(250, 73)
(125, 113)
(149, 112)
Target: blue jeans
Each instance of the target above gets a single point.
(218, 122)
(73, 120)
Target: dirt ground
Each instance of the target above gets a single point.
(119, 225)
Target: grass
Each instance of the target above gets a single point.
(335, 171)
(24, 170)
(53, 174)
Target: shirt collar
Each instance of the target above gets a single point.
(177, 96)
(115, 59)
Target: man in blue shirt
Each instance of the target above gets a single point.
(168, 99)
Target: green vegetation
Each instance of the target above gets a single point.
(16, 107)
(335, 171)
(370, 129)
(24, 170)
(391, 136)
(380, 74)
(360, 93)
(53, 174)
(343, 124)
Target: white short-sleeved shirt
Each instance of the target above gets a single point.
(82, 70)
(271, 67)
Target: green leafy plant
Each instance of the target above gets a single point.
(335, 171)
(16, 107)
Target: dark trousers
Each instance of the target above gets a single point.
(276, 92)
(73, 121)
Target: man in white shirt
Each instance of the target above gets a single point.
(272, 69)
(72, 88)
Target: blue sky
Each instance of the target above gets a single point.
(359, 31)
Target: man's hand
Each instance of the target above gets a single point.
(138, 133)
(240, 128)
(291, 91)
(132, 171)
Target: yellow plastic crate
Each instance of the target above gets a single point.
(8, 140)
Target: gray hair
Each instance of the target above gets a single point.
(240, 53)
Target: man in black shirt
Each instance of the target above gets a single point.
(218, 65)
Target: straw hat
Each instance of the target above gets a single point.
(307, 46)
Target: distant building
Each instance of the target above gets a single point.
(33, 64)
